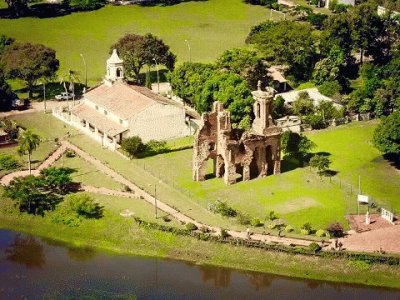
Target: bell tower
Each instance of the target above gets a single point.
(262, 109)
(115, 68)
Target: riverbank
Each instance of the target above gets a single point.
(118, 235)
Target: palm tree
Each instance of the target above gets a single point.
(28, 141)
(71, 77)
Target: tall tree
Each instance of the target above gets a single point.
(287, 42)
(366, 27)
(138, 50)
(245, 63)
(28, 142)
(6, 95)
(29, 62)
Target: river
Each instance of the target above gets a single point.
(34, 268)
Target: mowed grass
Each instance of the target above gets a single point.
(210, 27)
(353, 155)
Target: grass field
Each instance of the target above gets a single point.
(298, 196)
(210, 27)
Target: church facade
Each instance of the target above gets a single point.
(116, 110)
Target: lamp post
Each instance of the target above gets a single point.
(155, 198)
(190, 51)
(158, 77)
(84, 62)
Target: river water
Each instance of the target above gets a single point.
(34, 268)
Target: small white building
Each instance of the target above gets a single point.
(116, 110)
(315, 95)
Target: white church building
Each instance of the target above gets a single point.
(116, 110)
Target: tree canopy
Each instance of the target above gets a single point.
(27, 143)
(387, 135)
(29, 62)
(140, 50)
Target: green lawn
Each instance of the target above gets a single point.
(298, 196)
(210, 27)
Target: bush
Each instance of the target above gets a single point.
(8, 162)
(224, 209)
(243, 218)
(271, 226)
(320, 233)
(166, 219)
(304, 232)
(272, 216)
(191, 227)
(307, 226)
(224, 233)
(336, 229)
(315, 121)
(330, 88)
(289, 228)
(255, 222)
(86, 4)
(314, 247)
(70, 153)
(85, 206)
(156, 146)
(133, 146)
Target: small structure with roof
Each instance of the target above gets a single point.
(115, 110)
(279, 81)
(315, 96)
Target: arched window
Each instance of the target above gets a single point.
(119, 71)
(258, 113)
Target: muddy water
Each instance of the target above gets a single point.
(34, 268)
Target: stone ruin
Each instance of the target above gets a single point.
(238, 155)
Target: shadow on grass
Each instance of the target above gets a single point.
(330, 173)
(153, 76)
(290, 163)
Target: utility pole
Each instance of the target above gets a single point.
(155, 198)
(190, 51)
(158, 77)
(84, 62)
(44, 96)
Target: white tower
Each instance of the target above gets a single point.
(115, 68)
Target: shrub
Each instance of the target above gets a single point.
(243, 218)
(315, 121)
(8, 162)
(127, 189)
(166, 219)
(307, 226)
(224, 209)
(304, 232)
(191, 226)
(156, 146)
(314, 247)
(85, 206)
(330, 88)
(133, 146)
(70, 153)
(272, 215)
(271, 226)
(320, 233)
(336, 229)
(255, 222)
(289, 228)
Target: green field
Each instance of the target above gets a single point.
(297, 195)
(210, 27)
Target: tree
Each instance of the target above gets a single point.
(319, 162)
(28, 142)
(287, 42)
(138, 50)
(336, 229)
(231, 90)
(304, 105)
(6, 95)
(56, 179)
(329, 68)
(366, 27)
(29, 62)
(278, 108)
(30, 196)
(296, 145)
(187, 80)
(387, 135)
(18, 7)
(133, 146)
(244, 63)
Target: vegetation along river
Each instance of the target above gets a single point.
(34, 268)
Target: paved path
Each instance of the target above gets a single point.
(140, 194)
